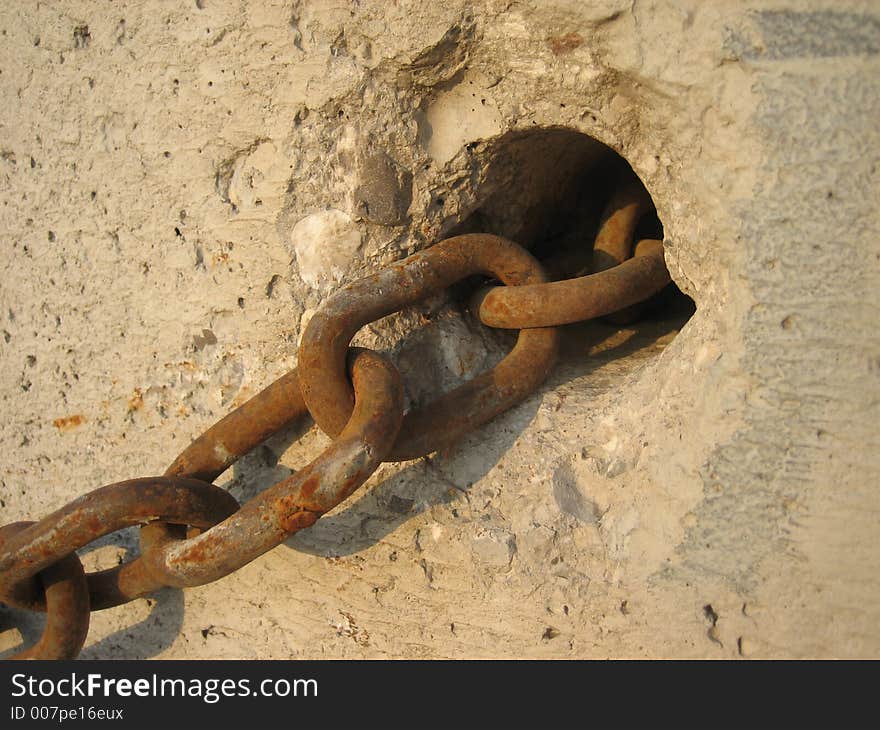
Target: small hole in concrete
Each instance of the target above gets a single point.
(547, 189)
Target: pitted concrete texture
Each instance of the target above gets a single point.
(182, 184)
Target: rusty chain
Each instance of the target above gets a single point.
(193, 532)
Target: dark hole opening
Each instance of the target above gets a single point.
(547, 190)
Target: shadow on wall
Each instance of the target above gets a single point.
(382, 508)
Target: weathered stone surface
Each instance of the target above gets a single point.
(181, 185)
(384, 190)
(325, 244)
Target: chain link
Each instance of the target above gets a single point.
(298, 501)
(617, 283)
(99, 513)
(193, 532)
(66, 594)
(327, 392)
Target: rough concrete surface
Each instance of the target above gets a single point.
(182, 184)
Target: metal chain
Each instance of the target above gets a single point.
(193, 532)
(617, 283)
(327, 392)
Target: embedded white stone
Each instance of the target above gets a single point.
(325, 243)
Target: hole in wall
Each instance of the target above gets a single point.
(548, 190)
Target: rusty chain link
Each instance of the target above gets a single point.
(617, 283)
(193, 532)
(66, 595)
(326, 391)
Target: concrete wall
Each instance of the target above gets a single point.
(183, 183)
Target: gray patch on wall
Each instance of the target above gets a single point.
(782, 34)
(808, 368)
